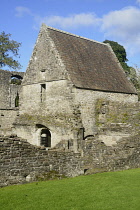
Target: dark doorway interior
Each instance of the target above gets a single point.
(45, 138)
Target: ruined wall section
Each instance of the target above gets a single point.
(21, 162)
(14, 91)
(86, 100)
(4, 89)
(98, 157)
(7, 118)
(116, 145)
(8, 91)
(117, 120)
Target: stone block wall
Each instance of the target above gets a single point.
(99, 157)
(21, 161)
(116, 145)
(7, 118)
(45, 63)
(55, 98)
(87, 99)
(116, 120)
(8, 91)
(8, 94)
(57, 112)
(4, 88)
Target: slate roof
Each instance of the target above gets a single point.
(90, 64)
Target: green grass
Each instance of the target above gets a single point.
(104, 191)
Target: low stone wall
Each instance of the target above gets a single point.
(100, 158)
(116, 146)
(21, 162)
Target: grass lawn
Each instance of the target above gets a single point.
(104, 191)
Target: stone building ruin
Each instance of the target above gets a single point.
(73, 111)
(65, 77)
(10, 87)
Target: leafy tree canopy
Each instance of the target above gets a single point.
(8, 49)
(132, 73)
(120, 52)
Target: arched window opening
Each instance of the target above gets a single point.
(45, 138)
(16, 79)
(17, 100)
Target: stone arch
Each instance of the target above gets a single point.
(16, 79)
(14, 90)
(44, 135)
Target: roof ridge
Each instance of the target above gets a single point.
(88, 64)
(71, 34)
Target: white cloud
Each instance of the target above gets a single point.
(21, 11)
(123, 25)
(72, 21)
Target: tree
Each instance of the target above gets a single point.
(133, 74)
(8, 49)
(120, 52)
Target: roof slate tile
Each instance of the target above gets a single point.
(90, 64)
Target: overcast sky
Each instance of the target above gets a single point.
(116, 20)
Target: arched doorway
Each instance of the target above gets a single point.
(45, 138)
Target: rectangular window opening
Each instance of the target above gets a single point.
(43, 92)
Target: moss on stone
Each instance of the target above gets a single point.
(108, 113)
(51, 175)
(98, 106)
(60, 120)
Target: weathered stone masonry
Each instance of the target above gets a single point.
(21, 162)
(68, 72)
(77, 111)
(100, 158)
(8, 94)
